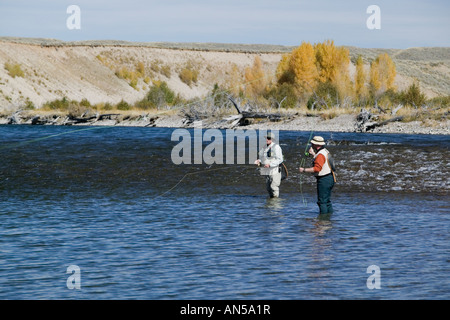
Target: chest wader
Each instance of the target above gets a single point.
(273, 180)
(324, 186)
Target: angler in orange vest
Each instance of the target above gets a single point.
(324, 172)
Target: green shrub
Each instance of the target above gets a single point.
(62, 104)
(107, 106)
(287, 77)
(29, 105)
(284, 91)
(14, 70)
(165, 70)
(76, 110)
(85, 103)
(387, 99)
(413, 96)
(326, 95)
(133, 83)
(441, 101)
(140, 68)
(220, 96)
(158, 95)
(188, 75)
(155, 65)
(123, 105)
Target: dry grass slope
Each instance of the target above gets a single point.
(112, 71)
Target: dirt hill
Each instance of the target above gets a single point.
(111, 71)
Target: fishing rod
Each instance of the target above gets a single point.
(249, 166)
(302, 164)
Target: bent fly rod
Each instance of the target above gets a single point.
(302, 164)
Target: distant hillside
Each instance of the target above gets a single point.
(105, 71)
(430, 66)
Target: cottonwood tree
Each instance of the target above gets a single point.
(382, 74)
(360, 79)
(303, 66)
(255, 79)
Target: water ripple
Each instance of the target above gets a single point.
(94, 200)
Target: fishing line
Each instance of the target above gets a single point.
(198, 172)
(224, 91)
(23, 143)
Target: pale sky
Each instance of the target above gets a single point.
(404, 23)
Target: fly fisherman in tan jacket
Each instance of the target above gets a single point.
(270, 157)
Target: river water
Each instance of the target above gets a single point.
(111, 201)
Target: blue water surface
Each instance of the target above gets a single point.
(110, 201)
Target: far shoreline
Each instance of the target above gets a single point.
(345, 123)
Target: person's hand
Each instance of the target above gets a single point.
(301, 169)
(267, 166)
(258, 162)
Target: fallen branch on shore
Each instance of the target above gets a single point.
(107, 116)
(379, 124)
(67, 120)
(246, 116)
(364, 123)
(76, 120)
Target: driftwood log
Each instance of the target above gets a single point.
(107, 115)
(364, 121)
(382, 123)
(246, 116)
(81, 120)
(71, 120)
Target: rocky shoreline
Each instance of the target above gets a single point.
(296, 122)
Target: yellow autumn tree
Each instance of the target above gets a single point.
(284, 72)
(234, 81)
(360, 79)
(255, 79)
(332, 66)
(303, 66)
(342, 77)
(328, 60)
(283, 65)
(382, 73)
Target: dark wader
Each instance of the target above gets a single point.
(324, 186)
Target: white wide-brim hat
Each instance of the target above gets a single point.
(318, 141)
